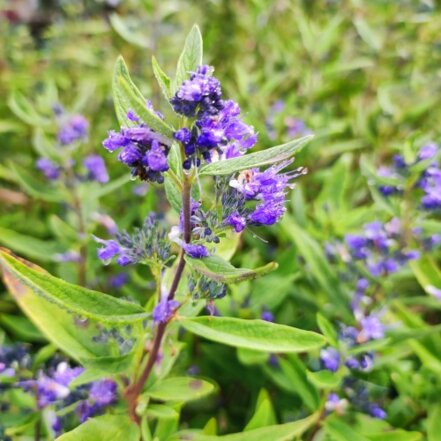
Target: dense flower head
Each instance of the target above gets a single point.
(96, 168)
(218, 131)
(49, 169)
(267, 188)
(145, 244)
(202, 287)
(429, 180)
(380, 247)
(72, 128)
(142, 149)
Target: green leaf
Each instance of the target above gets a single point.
(131, 29)
(31, 247)
(427, 273)
(57, 313)
(253, 334)
(104, 428)
(21, 327)
(216, 268)
(24, 109)
(161, 411)
(128, 97)
(323, 379)
(340, 431)
(258, 159)
(34, 187)
(397, 435)
(278, 432)
(327, 329)
(434, 423)
(179, 389)
(190, 58)
(249, 357)
(174, 195)
(162, 78)
(20, 275)
(264, 414)
(114, 184)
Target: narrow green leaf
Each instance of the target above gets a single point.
(25, 110)
(253, 334)
(216, 268)
(128, 97)
(22, 275)
(104, 428)
(173, 193)
(161, 411)
(264, 414)
(36, 188)
(180, 389)
(162, 78)
(323, 379)
(340, 431)
(43, 250)
(279, 432)
(427, 273)
(190, 58)
(258, 159)
(397, 435)
(327, 329)
(434, 423)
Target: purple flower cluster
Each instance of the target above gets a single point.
(72, 128)
(164, 310)
(429, 180)
(267, 188)
(50, 170)
(142, 149)
(96, 168)
(379, 248)
(52, 387)
(218, 132)
(146, 244)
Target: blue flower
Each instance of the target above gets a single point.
(164, 310)
(330, 359)
(97, 168)
(73, 129)
(196, 251)
(50, 170)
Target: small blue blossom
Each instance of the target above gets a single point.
(164, 310)
(74, 128)
(50, 170)
(196, 251)
(96, 168)
(330, 359)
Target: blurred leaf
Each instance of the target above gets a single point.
(280, 432)
(43, 250)
(340, 431)
(104, 428)
(253, 334)
(264, 413)
(434, 423)
(34, 187)
(23, 108)
(179, 389)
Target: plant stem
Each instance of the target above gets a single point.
(133, 391)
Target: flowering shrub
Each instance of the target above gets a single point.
(194, 283)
